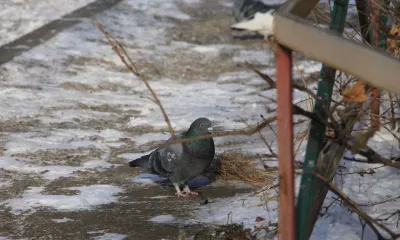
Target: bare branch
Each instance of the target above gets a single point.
(123, 55)
(272, 84)
(368, 171)
(374, 157)
(356, 208)
(381, 202)
(248, 132)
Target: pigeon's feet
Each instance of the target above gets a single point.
(182, 194)
(186, 189)
(192, 193)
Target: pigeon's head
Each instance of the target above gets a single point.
(201, 126)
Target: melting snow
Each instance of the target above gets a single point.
(87, 198)
(50, 172)
(19, 17)
(110, 236)
(5, 183)
(63, 220)
(163, 219)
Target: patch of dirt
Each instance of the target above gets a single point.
(89, 87)
(63, 157)
(108, 108)
(19, 124)
(19, 183)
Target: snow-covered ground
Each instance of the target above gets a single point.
(19, 17)
(71, 116)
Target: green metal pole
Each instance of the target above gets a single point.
(384, 20)
(317, 131)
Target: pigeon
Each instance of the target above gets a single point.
(254, 15)
(181, 162)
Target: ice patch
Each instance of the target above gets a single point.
(234, 76)
(63, 220)
(238, 209)
(158, 8)
(163, 219)
(191, 1)
(87, 198)
(20, 17)
(304, 68)
(5, 183)
(110, 236)
(209, 50)
(50, 172)
(256, 57)
(150, 137)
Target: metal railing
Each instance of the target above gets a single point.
(368, 64)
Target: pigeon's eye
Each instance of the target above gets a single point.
(201, 125)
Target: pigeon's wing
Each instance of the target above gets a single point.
(171, 155)
(165, 160)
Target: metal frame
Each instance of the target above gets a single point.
(287, 227)
(370, 65)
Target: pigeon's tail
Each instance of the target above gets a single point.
(142, 162)
(246, 9)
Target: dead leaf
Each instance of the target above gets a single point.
(329, 133)
(260, 219)
(393, 44)
(356, 93)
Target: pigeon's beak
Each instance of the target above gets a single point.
(210, 129)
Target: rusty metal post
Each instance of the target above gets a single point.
(379, 41)
(285, 143)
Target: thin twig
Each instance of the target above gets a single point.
(381, 202)
(356, 208)
(374, 157)
(123, 55)
(272, 84)
(363, 172)
(248, 132)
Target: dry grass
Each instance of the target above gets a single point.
(236, 166)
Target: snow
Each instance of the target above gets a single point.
(162, 219)
(63, 220)
(5, 183)
(50, 172)
(110, 236)
(87, 198)
(19, 17)
(159, 8)
(366, 189)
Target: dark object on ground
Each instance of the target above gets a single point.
(223, 232)
(246, 9)
(254, 15)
